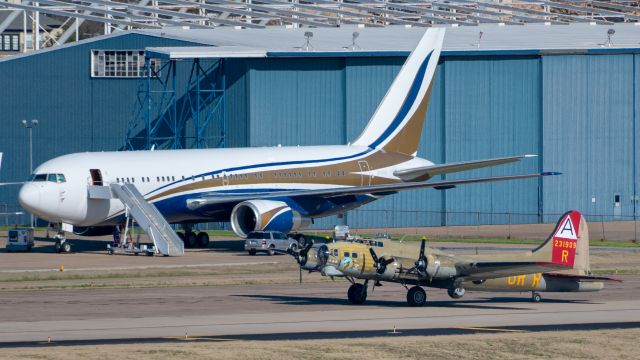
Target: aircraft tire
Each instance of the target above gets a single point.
(455, 293)
(190, 240)
(66, 247)
(203, 239)
(416, 296)
(536, 297)
(58, 247)
(357, 294)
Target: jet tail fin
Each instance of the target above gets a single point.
(396, 125)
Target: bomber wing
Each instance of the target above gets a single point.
(218, 198)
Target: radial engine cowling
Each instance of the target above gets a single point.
(255, 215)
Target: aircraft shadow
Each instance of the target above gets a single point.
(77, 245)
(310, 300)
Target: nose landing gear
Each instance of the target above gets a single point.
(62, 245)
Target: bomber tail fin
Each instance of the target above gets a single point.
(396, 125)
(568, 244)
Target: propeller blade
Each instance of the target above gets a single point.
(373, 255)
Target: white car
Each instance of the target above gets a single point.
(269, 242)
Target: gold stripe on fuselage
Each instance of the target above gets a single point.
(340, 174)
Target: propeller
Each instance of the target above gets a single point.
(421, 264)
(302, 255)
(380, 263)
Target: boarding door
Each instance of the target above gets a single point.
(96, 177)
(365, 178)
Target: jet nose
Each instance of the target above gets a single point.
(29, 197)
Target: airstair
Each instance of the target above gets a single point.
(149, 218)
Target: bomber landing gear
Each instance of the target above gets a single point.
(456, 293)
(357, 293)
(536, 297)
(416, 296)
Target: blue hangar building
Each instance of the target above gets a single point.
(568, 93)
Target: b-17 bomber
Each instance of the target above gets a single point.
(560, 264)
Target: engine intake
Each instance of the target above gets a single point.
(254, 215)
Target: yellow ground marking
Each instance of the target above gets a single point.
(491, 329)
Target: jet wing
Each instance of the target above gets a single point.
(218, 198)
(427, 172)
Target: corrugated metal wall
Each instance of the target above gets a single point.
(578, 112)
(75, 112)
(588, 107)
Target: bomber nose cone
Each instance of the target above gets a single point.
(29, 197)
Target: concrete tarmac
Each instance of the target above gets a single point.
(291, 308)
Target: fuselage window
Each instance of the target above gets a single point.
(133, 180)
(354, 255)
(163, 179)
(346, 254)
(173, 178)
(335, 252)
(148, 179)
(182, 177)
(117, 180)
(158, 178)
(143, 179)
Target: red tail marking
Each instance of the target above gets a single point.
(565, 240)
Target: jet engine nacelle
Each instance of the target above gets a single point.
(255, 215)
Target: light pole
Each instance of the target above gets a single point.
(29, 125)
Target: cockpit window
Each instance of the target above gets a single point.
(55, 178)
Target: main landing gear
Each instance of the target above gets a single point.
(192, 239)
(416, 296)
(357, 293)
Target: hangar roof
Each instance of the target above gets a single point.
(490, 38)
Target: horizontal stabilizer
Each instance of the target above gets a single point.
(587, 278)
(427, 172)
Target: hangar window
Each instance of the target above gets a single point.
(10, 43)
(120, 63)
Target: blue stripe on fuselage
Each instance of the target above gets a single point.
(253, 166)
